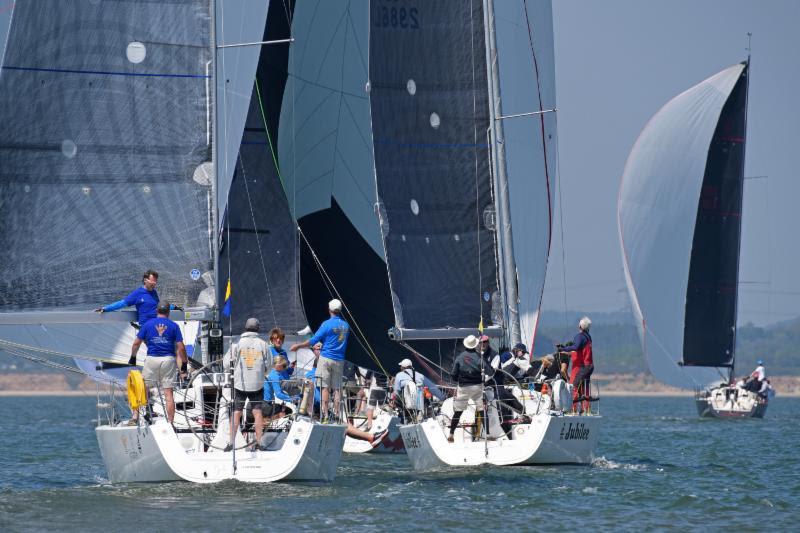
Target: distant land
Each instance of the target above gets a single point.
(616, 346)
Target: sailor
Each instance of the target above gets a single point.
(311, 400)
(467, 373)
(164, 345)
(378, 383)
(276, 338)
(333, 334)
(144, 298)
(273, 390)
(408, 374)
(582, 365)
(507, 365)
(757, 377)
(548, 370)
(249, 358)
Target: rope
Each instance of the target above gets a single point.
(366, 345)
(9, 345)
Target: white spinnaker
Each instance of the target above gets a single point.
(325, 134)
(527, 83)
(657, 211)
(237, 22)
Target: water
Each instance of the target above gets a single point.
(659, 466)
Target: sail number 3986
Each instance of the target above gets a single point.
(397, 17)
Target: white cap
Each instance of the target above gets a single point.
(335, 305)
(405, 363)
(471, 342)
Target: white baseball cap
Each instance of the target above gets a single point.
(405, 363)
(335, 305)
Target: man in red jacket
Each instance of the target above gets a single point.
(582, 365)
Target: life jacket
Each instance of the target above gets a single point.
(585, 353)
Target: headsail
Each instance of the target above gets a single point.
(526, 65)
(680, 223)
(430, 120)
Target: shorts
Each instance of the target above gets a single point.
(329, 373)
(272, 408)
(465, 393)
(376, 396)
(255, 397)
(160, 371)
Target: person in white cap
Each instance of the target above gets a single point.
(408, 374)
(249, 358)
(467, 372)
(333, 334)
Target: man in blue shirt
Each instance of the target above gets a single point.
(333, 334)
(145, 298)
(164, 345)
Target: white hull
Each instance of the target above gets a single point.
(309, 452)
(548, 439)
(730, 402)
(391, 443)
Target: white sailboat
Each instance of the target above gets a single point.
(680, 216)
(127, 158)
(464, 150)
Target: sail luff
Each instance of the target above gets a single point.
(215, 217)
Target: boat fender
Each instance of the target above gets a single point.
(136, 392)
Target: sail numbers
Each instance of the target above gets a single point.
(396, 17)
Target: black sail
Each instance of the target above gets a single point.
(711, 297)
(430, 116)
(261, 252)
(104, 113)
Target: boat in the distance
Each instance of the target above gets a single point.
(680, 219)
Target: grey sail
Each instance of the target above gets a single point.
(679, 224)
(104, 107)
(429, 123)
(260, 253)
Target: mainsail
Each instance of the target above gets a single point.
(461, 248)
(680, 207)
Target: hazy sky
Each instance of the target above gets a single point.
(617, 63)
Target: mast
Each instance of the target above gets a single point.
(508, 270)
(214, 162)
(741, 203)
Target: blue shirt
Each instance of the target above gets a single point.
(275, 352)
(272, 386)
(160, 335)
(420, 380)
(146, 303)
(333, 334)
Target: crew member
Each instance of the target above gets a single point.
(507, 364)
(582, 365)
(333, 334)
(144, 298)
(249, 358)
(406, 375)
(468, 372)
(165, 352)
(273, 390)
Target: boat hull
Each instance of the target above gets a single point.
(548, 439)
(131, 455)
(391, 443)
(730, 402)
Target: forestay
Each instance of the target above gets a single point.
(429, 122)
(679, 219)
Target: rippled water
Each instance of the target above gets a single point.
(658, 466)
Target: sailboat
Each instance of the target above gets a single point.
(464, 152)
(680, 217)
(125, 125)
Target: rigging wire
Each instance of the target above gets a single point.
(360, 334)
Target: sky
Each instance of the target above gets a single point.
(617, 63)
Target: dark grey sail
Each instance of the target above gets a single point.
(430, 116)
(261, 247)
(710, 334)
(104, 109)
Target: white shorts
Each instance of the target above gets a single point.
(160, 371)
(329, 373)
(465, 393)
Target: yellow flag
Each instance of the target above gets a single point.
(480, 326)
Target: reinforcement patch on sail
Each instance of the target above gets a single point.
(430, 116)
(658, 206)
(104, 113)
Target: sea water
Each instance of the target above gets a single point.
(658, 466)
